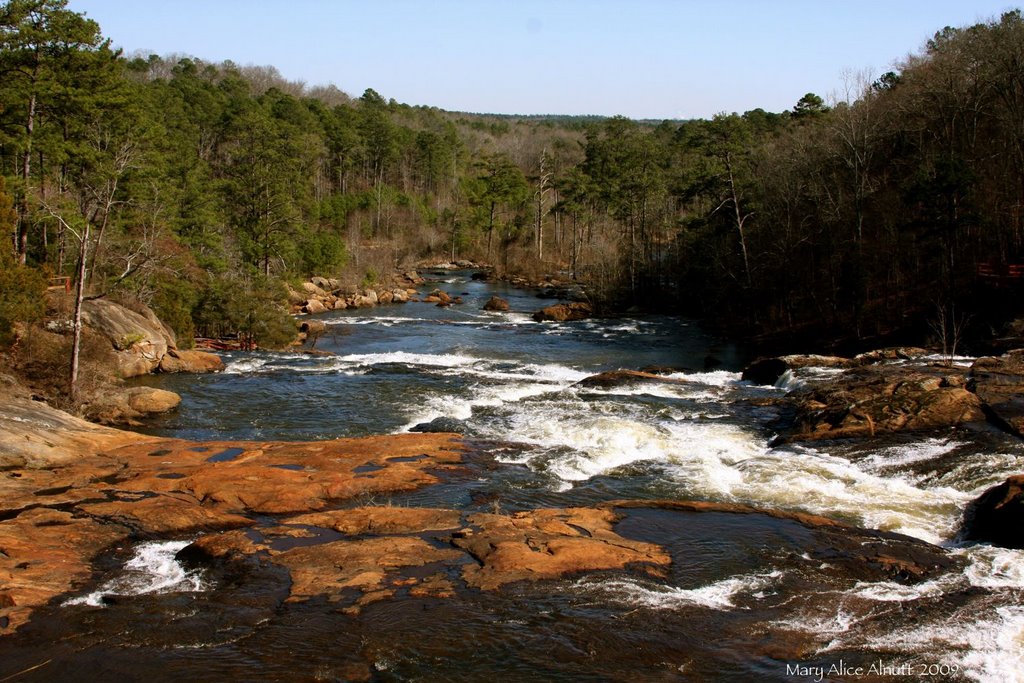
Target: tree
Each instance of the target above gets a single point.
(41, 46)
(501, 190)
(809, 106)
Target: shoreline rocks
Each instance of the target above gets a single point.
(320, 295)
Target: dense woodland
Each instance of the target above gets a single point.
(199, 188)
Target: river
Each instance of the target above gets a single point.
(748, 597)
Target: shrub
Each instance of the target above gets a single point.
(22, 296)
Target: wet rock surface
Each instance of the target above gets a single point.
(564, 312)
(875, 399)
(618, 378)
(997, 516)
(999, 383)
(71, 489)
(71, 495)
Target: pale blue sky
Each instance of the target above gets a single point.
(641, 58)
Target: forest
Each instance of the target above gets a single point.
(895, 209)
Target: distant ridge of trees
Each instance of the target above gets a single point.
(895, 205)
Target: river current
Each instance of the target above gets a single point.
(750, 599)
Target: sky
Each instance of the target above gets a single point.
(646, 59)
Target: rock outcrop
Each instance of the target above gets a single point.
(319, 295)
(142, 344)
(767, 371)
(997, 516)
(999, 383)
(576, 310)
(70, 489)
(548, 543)
(873, 399)
(187, 360)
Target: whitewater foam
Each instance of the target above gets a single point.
(151, 569)
(719, 595)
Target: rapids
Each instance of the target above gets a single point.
(753, 599)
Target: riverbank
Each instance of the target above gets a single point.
(638, 524)
(73, 491)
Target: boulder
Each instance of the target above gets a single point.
(177, 360)
(313, 290)
(340, 305)
(767, 371)
(618, 378)
(576, 310)
(360, 301)
(997, 516)
(127, 407)
(314, 327)
(399, 296)
(314, 306)
(496, 303)
(999, 383)
(324, 283)
(140, 341)
(412, 277)
(296, 298)
(440, 425)
(385, 297)
(878, 398)
(149, 400)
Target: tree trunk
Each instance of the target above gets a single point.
(79, 296)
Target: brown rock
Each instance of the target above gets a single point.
(496, 303)
(177, 360)
(46, 553)
(544, 544)
(382, 520)
(879, 398)
(314, 306)
(150, 400)
(313, 291)
(139, 340)
(110, 484)
(891, 354)
(364, 564)
(576, 310)
(617, 378)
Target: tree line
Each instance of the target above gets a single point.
(199, 188)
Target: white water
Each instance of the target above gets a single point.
(697, 440)
(720, 595)
(152, 569)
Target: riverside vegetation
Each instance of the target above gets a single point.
(695, 523)
(199, 189)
